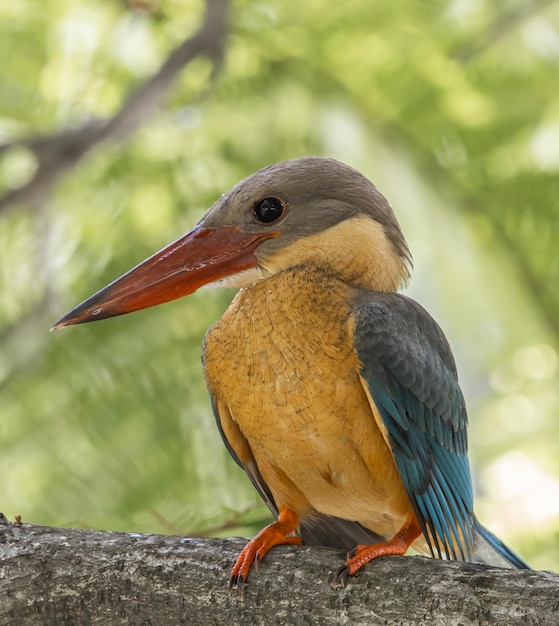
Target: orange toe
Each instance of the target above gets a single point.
(362, 554)
(255, 550)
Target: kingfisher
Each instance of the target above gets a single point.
(337, 395)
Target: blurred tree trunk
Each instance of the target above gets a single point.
(67, 576)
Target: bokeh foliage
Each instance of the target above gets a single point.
(450, 107)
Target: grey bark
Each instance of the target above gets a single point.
(68, 576)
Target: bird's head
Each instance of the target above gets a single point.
(310, 212)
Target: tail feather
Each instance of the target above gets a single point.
(326, 530)
(492, 551)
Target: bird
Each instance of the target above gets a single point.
(337, 394)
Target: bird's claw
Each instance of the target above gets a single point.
(237, 584)
(277, 533)
(352, 553)
(340, 577)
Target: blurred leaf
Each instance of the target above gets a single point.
(452, 108)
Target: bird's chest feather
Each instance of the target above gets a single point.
(282, 360)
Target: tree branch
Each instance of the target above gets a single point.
(62, 151)
(501, 27)
(63, 576)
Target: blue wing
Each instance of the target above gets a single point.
(407, 364)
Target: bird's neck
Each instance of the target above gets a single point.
(295, 302)
(300, 290)
(356, 251)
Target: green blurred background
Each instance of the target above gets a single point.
(450, 107)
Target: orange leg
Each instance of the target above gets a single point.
(362, 554)
(274, 534)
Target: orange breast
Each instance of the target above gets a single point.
(282, 361)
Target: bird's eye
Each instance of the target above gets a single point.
(269, 210)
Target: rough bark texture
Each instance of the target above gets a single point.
(68, 576)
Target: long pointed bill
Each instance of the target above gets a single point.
(200, 257)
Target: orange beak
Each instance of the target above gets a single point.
(196, 259)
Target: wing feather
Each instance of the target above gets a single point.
(411, 376)
(239, 449)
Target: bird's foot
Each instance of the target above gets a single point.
(255, 550)
(362, 554)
